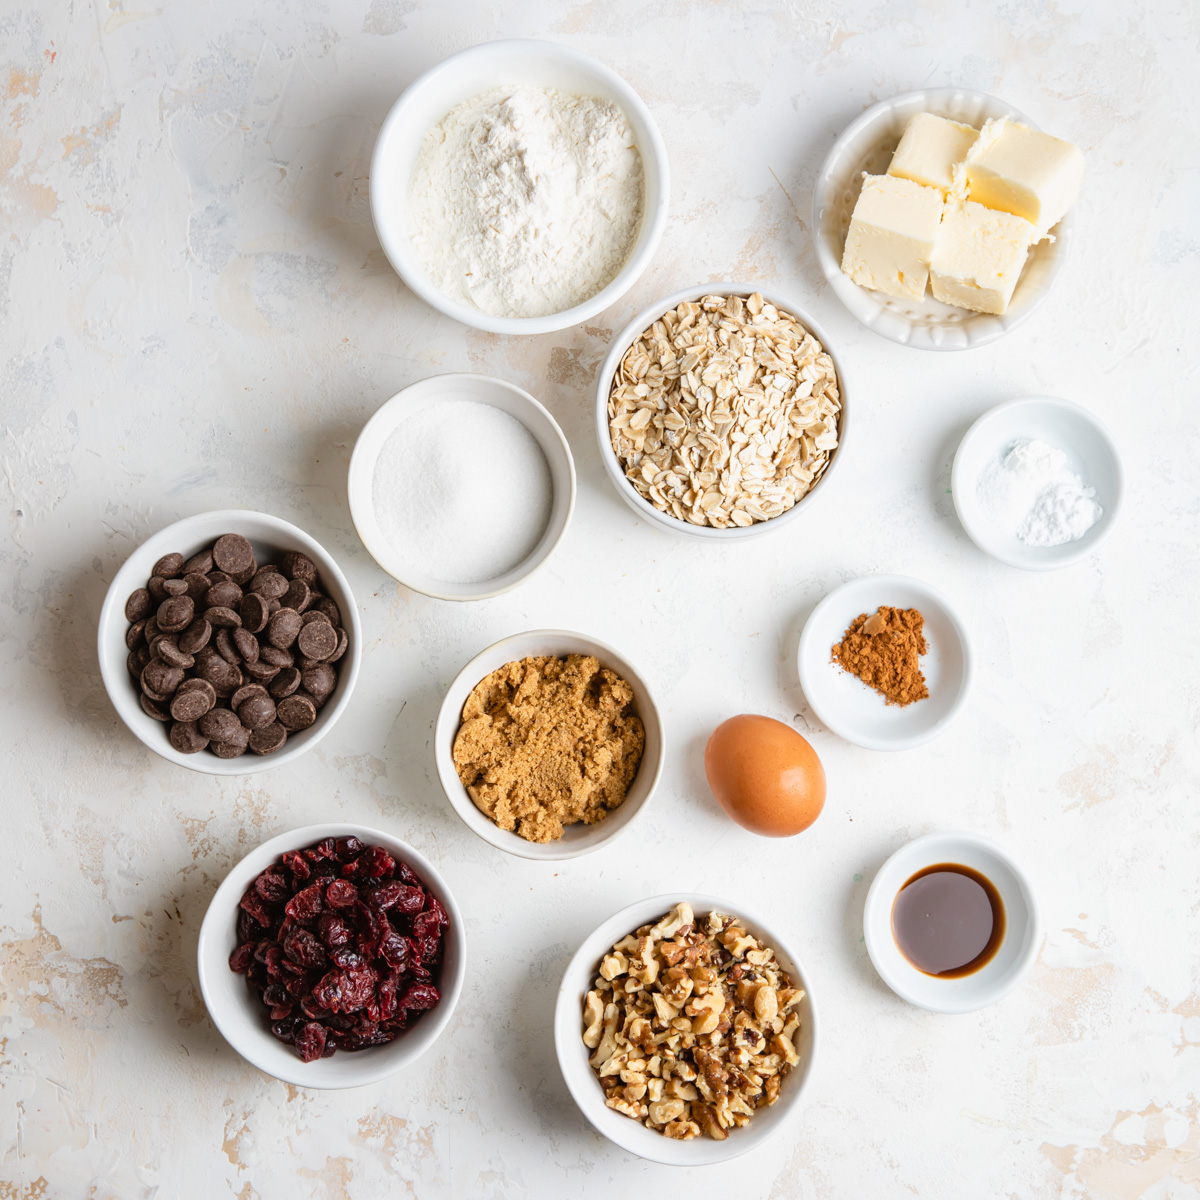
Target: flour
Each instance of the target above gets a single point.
(1031, 491)
(462, 492)
(526, 202)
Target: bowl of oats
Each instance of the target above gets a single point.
(721, 412)
(685, 1030)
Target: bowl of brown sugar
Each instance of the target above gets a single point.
(549, 744)
(885, 662)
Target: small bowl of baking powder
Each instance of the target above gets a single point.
(461, 486)
(1037, 482)
(519, 187)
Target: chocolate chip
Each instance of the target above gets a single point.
(317, 640)
(217, 577)
(168, 566)
(160, 679)
(151, 630)
(275, 656)
(246, 644)
(313, 615)
(241, 578)
(254, 612)
(297, 597)
(187, 738)
(319, 681)
(235, 746)
(257, 712)
(167, 648)
(154, 708)
(157, 587)
(299, 566)
(283, 628)
(244, 693)
(228, 678)
(273, 606)
(137, 661)
(197, 585)
(223, 618)
(261, 670)
(139, 605)
(331, 610)
(225, 594)
(199, 564)
(192, 704)
(269, 584)
(175, 587)
(232, 553)
(297, 712)
(133, 635)
(175, 614)
(285, 683)
(220, 724)
(225, 647)
(343, 642)
(268, 740)
(195, 637)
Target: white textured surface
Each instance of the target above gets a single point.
(196, 313)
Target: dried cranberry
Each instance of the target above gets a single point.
(251, 903)
(397, 895)
(279, 1011)
(340, 893)
(394, 950)
(274, 889)
(432, 906)
(303, 948)
(285, 1030)
(276, 994)
(310, 1041)
(327, 868)
(332, 930)
(246, 926)
(426, 925)
(305, 905)
(345, 958)
(420, 996)
(321, 850)
(298, 865)
(408, 876)
(242, 957)
(348, 848)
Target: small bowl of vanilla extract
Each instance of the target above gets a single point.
(951, 923)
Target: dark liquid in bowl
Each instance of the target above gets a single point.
(948, 920)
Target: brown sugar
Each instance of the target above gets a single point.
(547, 742)
(883, 651)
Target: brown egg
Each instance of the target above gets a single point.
(765, 775)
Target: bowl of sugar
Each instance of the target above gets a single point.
(461, 486)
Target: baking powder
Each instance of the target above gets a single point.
(526, 202)
(1031, 491)
(461, 492)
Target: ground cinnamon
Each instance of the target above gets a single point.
(882, 650)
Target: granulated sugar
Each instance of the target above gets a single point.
(462, 491)
(1031, 492)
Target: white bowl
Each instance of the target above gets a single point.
(608, 456)
(857, 712)
(1090, 449)
(240, 1016)
(581, 1080)
(867, 145)
(579, 838)
(271, 538)
(997, 977)
(467, 74)
(480, 389)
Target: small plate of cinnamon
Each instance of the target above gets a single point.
(885, 662)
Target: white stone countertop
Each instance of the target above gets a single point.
(195, 314)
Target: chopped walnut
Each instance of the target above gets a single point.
(692, 1025)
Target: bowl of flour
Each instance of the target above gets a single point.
(461, 486)
(519, 187)
(1037, 482)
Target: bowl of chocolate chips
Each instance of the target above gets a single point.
(229, 642)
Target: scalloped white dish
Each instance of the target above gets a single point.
(866, 145)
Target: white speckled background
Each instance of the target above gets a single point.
(194, 313)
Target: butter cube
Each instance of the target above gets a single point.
(1018, 170)
(978, 256)
(891, 236)
(930, 150)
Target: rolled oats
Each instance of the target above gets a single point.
(724, 412)
(692, 1025)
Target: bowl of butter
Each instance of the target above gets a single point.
(943, 217)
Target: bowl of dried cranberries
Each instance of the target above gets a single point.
(332, 956)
